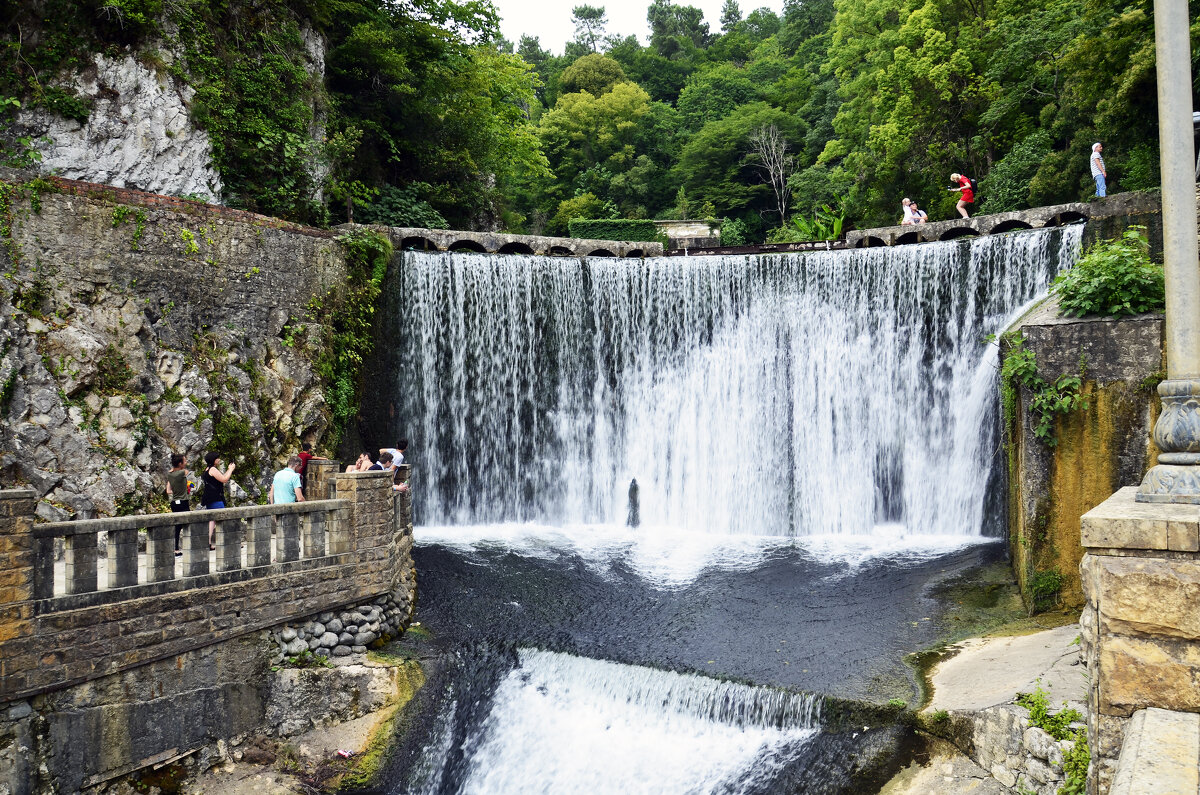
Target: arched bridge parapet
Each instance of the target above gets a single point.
(998, 223)
(410, 239)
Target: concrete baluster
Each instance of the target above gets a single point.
(338, 531)
(160, 553)
(258, 542)
(122, 558)
(195, 549)
(229, 544)
(314, 535)
(43, 567)
(289, 536)
(81, 552)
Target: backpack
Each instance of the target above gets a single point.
(974, 185)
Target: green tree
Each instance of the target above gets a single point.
(595, 74)
(731, 15)
(590, 22)
(713, 93)
(674, 30)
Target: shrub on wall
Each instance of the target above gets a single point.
(623, 229)
(1115, 278)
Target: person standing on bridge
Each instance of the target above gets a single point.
(1098, 172)
(214, 481)
(968, 193)
(286, 487)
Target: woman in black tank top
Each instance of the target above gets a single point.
(214, 481)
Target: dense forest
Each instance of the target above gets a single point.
(428, 117)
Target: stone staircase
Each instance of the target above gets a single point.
(1160, 755)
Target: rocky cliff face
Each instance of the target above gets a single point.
(138, 134)
(133, 326)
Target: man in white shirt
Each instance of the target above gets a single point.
(1098, 172)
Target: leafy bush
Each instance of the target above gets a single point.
(403, 206)
(734, 233)
(1006, 186)
(1141, 169)
(1115, 278)
(1056, 724)
(624, 229)
(1044, 588)
(826, 224)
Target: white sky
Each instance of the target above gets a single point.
(550, 20)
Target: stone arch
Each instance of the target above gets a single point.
(1067, 217)
(1009, 226)
(635, 252)
(870, 241)
(560, 251)
(473, 246)
(959, 231)
(515, 247)
(601, 252)
(417, 244)
(908, 238)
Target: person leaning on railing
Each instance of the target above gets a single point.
(178, 493)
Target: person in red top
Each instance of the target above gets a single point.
(968, 195)
(306, 455)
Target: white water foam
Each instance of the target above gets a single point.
(668, 558)
(826, 394)
(565, 724)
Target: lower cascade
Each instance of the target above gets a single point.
(807, 394)
(560, 723)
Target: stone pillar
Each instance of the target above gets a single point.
(17, 567)
(1140, 626)
(318, 478)
(1176, 478)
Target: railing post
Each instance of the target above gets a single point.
(314, 534)
(289, 537)
(229, 544)
(122, 558)
(81, 554)
(43, 567)
(258, 545)
(195, 549)
(160, 553)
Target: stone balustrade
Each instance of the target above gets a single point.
(247, 539)
(63, 624)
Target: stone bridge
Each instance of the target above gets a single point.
(1035, 218)
(406, 239)
(116, 654)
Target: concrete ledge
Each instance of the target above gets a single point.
(1121, 523)
(1160, 755)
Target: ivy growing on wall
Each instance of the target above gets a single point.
(347, 314)
(1049, 398)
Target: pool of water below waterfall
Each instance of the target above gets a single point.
(597, 660)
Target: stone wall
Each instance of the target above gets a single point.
(1140, 627)
(1098, 450)
(134, 325)
(93, 692)
(1017, 754)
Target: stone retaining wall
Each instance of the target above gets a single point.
(1016, 754)
(134, 325)
(1098, 450)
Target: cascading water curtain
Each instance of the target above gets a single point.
(797, 394)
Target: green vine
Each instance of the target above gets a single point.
(1058, 726)
(346, 315)
(122, 214)
(1049, 399)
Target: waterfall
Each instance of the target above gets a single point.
(824, 393)
(560, 723)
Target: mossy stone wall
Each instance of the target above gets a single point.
(1099, 449)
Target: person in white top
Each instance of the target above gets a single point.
(1098, 172)
(908, 215)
